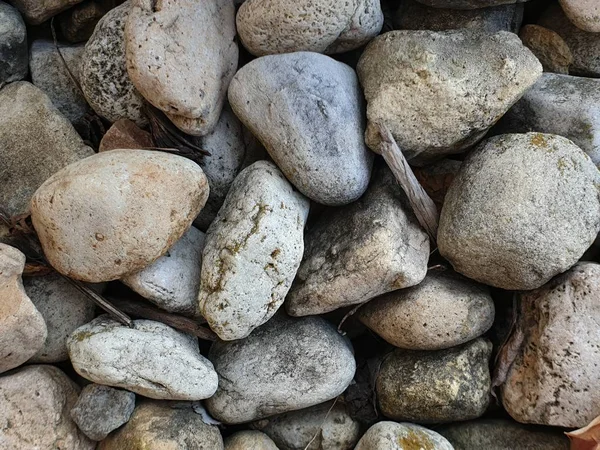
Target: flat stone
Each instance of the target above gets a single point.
(355, 253)
(245, 440)
(440, 92)
(77, 23)
(468, 4)
(554, 378)
(547, 45)
(13, 45)
(38, 11)
(102, 409)
(253, 250)
(488, 233)
(435, 386)
(150, 359)
(35, 410)
(401, 436)
(330, 26)
(307, 110)
(125, 134)
(22, 327)
(181, 57)
(136, 205)
(585, 14)
(285, 365)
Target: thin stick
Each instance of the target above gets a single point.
(348, 314)
(322, 423)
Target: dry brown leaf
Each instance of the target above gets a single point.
(586, 438)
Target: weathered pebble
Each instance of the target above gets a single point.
(246, 440)
(547, 45)
(38, 11)
(401, 436)
(125, 134)
(585, 14)
(13, 45)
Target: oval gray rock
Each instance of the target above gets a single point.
(38, 11)
(401, 436)
(13, 45)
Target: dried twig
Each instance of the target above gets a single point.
(322, 423)
(348, 314)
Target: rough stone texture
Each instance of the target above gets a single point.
(35, 142)
(360, 251)
(490, 434)
(468, 4)
(286, 364)
(245, 440)
(104, 78)
(125, 134)
(563, 105)
(150, 359)
(584, 46)
(547, 45)
(48, 72)
(412, 15)
(585, 14)
(280, 26)
(440, 92)
(307, 110)
(77, 24)
(181, 56)
(22, 327)
(173, 280)
(13, 45)
(164, 426)
(401, 436)
(554, 379)
(253, 250)
(102, 409)
(333, 426)
(116, 212)
(64, 309)
(522, 209)
(35, 411)
(435, 386)
(441, 312)
(38, 11)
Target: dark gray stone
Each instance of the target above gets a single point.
(14, 62)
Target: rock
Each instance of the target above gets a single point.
(554, 378)
(440, 92)
(125, 134)
(401, 436)
(164, 426)
(435, 386)
(253, 250)
(35, 142)
(49, 73)
(441, 312)
(355, 253)
(490, 234)
(13, 45)
(104, 79)
(573, 99)
(64, 309)
(495, 434)
(552, 51)
(285, 365)
(116, 212)
(245, 440)
(585, 14)
(173, 280)
(331, 424)
(279, 26)
(181, 57)
(150, 359)
(468, 4)
(77, 24)
(102, 409)
(412, 15)
(22, 327)
(38, 11)
(35, 411)
(307, 111)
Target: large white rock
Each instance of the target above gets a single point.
(401, 436)
(585, 14)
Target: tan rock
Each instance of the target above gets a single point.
(124, 133)
(401, 436)
(548, 47)
(38, 11)
(246, 440)
(585, 14)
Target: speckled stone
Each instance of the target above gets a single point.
(401, 436)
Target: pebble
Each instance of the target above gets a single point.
(125, 134)
(435, 386)
(104, 79)
(102, 409)
(35, 411)
(246, 440)
(38, 11)
(64, 309)
(355, 253)
(116, 212)
(584, 14)
(328, 26)
(181, 56)
(22, 327)
(554, 378)
(468, 4)
(164, 426)
(490, 234)
(172, 282)
(13, 45)
(285, 365)
(401, 436)
(307, 110)
(150, 359)
(440, 92)
(441, 312)
(31, 125)
(547, 45)
(77, 23)
(253, 250)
